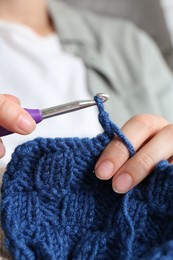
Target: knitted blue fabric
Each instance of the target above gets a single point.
(53, 206)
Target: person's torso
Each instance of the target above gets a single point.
(41, 74)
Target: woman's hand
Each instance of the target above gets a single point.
(152, 138)
(14, 118)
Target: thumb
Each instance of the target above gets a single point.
(13, 117)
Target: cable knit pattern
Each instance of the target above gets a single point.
(53, 206)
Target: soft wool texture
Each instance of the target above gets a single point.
(53, 206)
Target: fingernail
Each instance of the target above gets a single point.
(2, 150)
(26, 123)
(122, 183)
(105, 170)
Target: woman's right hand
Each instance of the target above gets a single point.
(14, 118)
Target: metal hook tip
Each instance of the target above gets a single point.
(104, 97)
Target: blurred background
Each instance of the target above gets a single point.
(153, 16)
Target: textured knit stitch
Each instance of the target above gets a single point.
(53, 206)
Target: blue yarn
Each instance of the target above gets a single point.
(110, 128)
(53, 206)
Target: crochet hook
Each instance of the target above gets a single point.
(39, 115)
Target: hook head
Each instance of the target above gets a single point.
(104, 97)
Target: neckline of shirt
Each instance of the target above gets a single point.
(14, 27)
(50, 43)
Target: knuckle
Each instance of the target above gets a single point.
(12, 98)
(144, 120)
(120, 147)
(149, 121)
(169, 130)
(162, 119)
(146, 161)
(8, 109)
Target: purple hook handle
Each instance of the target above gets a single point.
(35, 114)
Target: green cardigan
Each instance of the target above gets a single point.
(121, 60)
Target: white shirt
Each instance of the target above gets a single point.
(38, 71)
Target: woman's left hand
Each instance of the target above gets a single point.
(152, 139)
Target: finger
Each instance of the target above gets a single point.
(170, 160)
(2, 149)
(138, 129)
(13, 98)
(15, 118)
(143, 162)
